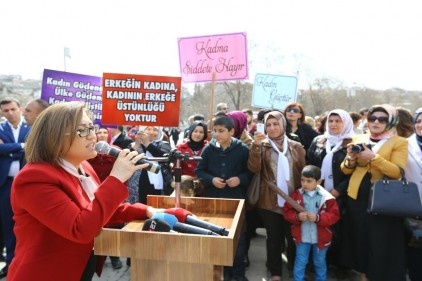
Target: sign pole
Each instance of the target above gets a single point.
(211, 106)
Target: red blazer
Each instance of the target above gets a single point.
(55, 222)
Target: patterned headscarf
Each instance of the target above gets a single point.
(393, 119)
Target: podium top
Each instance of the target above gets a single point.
(131, 241)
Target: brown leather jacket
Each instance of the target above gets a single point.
(260, 161)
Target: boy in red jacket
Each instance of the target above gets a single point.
(311, 229)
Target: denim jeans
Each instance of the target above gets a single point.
(301, 260)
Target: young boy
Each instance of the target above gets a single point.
(224, 173)
(311, 229)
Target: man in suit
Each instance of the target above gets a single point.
(120, 138)
(32, 109)
(13, 132)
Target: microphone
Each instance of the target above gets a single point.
(156, 225)
(102, 147)
(182, 227)
(185, 216)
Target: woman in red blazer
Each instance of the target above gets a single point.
(58, 201)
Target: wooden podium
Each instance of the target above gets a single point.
(178, 256)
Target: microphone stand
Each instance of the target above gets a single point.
(177, 157)
(177, 181)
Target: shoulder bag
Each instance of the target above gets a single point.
(395, 198)
(252, 194)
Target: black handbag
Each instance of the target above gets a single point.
(395, 198)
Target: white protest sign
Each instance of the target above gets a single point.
(274, 91)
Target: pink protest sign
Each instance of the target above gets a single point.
(224, 55)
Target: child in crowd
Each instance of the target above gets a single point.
(224, 172)
(311, 229)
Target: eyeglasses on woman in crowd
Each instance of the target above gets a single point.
(293, 109)
(381, 119)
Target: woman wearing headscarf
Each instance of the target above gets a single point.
(377, 241)
(279, 160)
(240, 126)
(414, 174)
(148, 140)
(328, 151)
(241, 133)
(193, 146)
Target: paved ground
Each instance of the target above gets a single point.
(256, 271)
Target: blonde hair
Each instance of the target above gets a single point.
(310, 121)
(53, 132)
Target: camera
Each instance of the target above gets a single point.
(356, 148)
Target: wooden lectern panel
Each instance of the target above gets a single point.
(178, 256)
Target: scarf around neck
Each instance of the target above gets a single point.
(334, 144)
(283, 170)
(88, 185)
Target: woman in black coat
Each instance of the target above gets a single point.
(328, 151)
(296, 128)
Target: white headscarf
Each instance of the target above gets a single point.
(155, 179)
(333, 144)
(158, 128)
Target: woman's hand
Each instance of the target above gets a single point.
(145, 138)
(350, 154)
(124, 167)
(366, 154)
(151, 211)
(259, 137)
(141, 137)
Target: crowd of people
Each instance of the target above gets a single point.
(314, 186)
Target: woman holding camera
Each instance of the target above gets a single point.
(149, 140)
(377, 241)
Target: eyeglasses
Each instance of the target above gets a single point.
(293, 109)
(86, 131)
(381, 119)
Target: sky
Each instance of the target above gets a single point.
(375, 44)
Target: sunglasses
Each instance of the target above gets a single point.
(293, 109)
(381, 119)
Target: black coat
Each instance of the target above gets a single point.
(123, 141)
(316, 154)
(304, 132)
